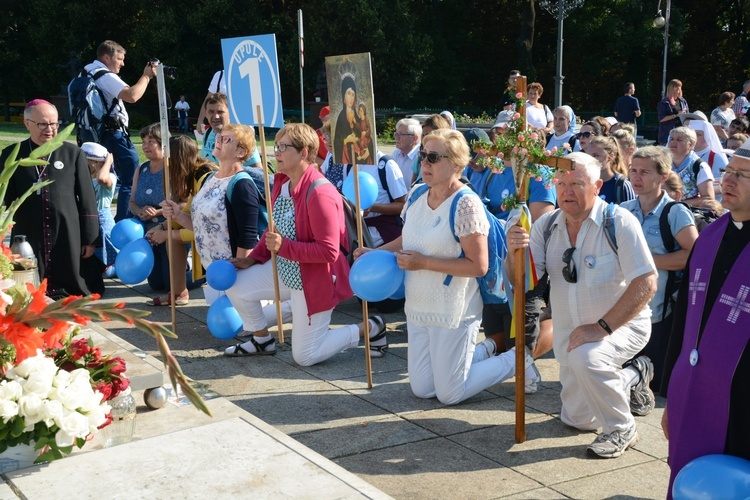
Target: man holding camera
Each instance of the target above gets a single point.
(110, 57)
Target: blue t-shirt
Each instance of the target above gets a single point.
(608, 192)
(625, 108)
(502, 185)
(209, 141)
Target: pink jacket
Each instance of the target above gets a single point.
(320, 233)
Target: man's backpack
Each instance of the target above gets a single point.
(491, 284)
(88, 105)
(350, 218)
(703, 217)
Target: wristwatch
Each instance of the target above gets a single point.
(605, 326)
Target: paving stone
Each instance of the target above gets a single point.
(369, 435)
(646, 480)
(553, 452)
(315, 406)
(436, 468)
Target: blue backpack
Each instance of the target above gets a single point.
(88, 106)
(491, 284)
(259, 184)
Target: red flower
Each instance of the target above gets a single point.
(105, 389)
(116, 366)
(106, 422)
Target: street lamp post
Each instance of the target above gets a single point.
(559, 9)
(663, 22)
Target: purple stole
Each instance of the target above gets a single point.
(698, 396)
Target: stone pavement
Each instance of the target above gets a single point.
(404, 446)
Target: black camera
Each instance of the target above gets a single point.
(169, 71)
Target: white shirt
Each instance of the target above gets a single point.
(215, 84)
(603, 275)
(719, 164)
(538, 117)
(405, 161)
(111, 85)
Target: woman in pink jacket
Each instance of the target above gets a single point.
(309, 241)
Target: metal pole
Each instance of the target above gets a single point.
(559, 77)
(301, 67)
(666, 49)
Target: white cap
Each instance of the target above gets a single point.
(742, 152)
(94, 151)
(698, 115)
(503, 118)
(611, 120)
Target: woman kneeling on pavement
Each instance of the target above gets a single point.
(313, 270)
(443, 320)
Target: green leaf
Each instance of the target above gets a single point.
(17, 429)
(11, 160)
(29, 162)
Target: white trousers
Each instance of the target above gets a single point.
(595, 390)
(312, 341)
(442, 363)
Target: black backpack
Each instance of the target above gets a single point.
(88, 105)
(703, 217)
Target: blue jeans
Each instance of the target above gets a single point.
(182, 124)
(119, 144)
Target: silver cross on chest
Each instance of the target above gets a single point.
(738, 303)
(697, 286)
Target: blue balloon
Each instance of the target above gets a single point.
(125, 231)
(135, 262)
(401, 292)
(368, 190)
(221, 275)
(375, 276)
(223, 320)
(713, 476)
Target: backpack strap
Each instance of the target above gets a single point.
(609, 225)
(620, 192)
(669, 243)
(418, 191)
(452, 222)
(382, 174)
(697, 169)
(95, 77)
(237, 177)
(711, 156)
(548, 228)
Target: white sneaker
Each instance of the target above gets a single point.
(613, 445)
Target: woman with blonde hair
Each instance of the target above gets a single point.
(669, 109)
(696, 175)
(443, 320)
(616, 187)
(627, 143)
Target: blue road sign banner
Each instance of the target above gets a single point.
(251, 69)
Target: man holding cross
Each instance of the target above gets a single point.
(599, 292)
(708, 362)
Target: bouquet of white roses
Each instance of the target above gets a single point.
(51, 408)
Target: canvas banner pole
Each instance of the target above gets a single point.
(164, 127)
(271, 225)
(360, 241)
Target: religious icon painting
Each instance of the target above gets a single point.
(352, 109)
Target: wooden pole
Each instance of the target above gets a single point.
(519, 303)
(360, 240)
(271, 225)
(164, 128)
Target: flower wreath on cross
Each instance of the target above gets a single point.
(522, 149)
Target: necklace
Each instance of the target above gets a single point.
(40, 173)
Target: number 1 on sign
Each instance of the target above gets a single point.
(251, 69)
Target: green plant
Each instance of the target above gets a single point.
(386, 128)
